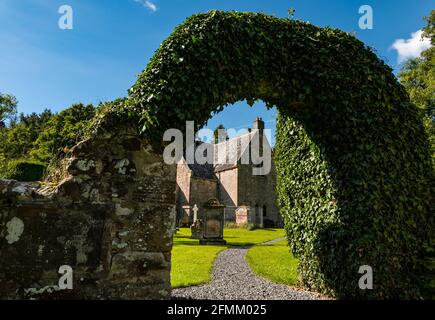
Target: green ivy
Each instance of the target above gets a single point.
(355, 183)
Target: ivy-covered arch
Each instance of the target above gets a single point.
(354, 176)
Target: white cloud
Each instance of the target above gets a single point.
(412, 47)
(148, 4)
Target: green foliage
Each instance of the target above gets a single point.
(429, 30)
(220, 134)
(291, 13)
(18, 139)
(63, 131)
(354, 175)
(418, 77)
(428, 275)
(8, 108)
(22, 170)
(246, 226)
(43, 137)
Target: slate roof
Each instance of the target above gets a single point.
(226, 156)
(204, 171)
(228, 153)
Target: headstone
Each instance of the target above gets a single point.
(242, 215)
(195, 213)
(260, 217)
(196, 227)
(213, 223)
(185, 216)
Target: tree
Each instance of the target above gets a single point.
(220, 134)
(8, 108)
(418, 77)
(62, 131)
(429, 30)
(291, 13)
(38, 138)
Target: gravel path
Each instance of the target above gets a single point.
(233, 279)
(275, 240)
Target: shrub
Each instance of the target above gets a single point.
(247, 226)
(24, 170)
(233, 225)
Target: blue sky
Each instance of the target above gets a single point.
(112, 41)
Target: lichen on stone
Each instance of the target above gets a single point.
(15, 229)
(121, 166)
(121, 211)
(85, 165)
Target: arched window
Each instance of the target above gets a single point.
(264, 211)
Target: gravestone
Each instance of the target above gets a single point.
(196, 227)
(213, 223)
(242, 215)
(195, 213)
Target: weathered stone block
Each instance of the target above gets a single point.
(111, 219)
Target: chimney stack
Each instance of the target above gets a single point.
(258, 124)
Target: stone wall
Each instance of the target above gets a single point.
(228, 186)
(259, 190)
(111, 219)
(201, 191)
(183, 183)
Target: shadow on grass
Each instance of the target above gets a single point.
(190, 243)
(228, 245)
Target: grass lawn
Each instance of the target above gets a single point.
(192, 263)
(274, 262)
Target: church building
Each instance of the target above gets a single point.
(248, 198)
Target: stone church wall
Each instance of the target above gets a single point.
(259, 190)
(228, 187)
(183, 184)
(201, 190)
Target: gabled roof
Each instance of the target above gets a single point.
(226, 155)
(205, 171)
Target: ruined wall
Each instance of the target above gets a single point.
(111, 219)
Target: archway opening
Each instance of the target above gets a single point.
(244, 194)
(354, 176)
(349, 152)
